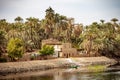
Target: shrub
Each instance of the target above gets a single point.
(15, 48)
(46, 50)
(96, 68)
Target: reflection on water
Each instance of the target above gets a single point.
(64, 74)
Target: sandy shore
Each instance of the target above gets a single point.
(26, 66)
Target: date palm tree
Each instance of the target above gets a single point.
(114, 20)
(2, 42)
(50, 21)
(18, 19)
(32, 23)
(115, 25)
(4, 25)
(89, 38)
(102, 21)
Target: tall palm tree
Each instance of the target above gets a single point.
(33, 28)
(114, 20)
(78, 30)
(50, 21)
(90, 35)
(18, 19)
(4, 25)
(115, 25)
(19, 24)
(102, 21)
(56, 31)
(32, 23)
(70, 28)
(2, 42)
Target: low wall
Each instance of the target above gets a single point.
(18, 67)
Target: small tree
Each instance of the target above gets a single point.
(15, 48)
(47, 50)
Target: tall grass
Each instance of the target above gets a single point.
(96, 68)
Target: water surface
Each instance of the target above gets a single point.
(63, 74)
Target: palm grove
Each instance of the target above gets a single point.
(99, 38)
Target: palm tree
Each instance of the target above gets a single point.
(115, 25)
(2, 42)
(56, 31)
(4, 25)
(114, 20)
(50, 21)
(89, 38)
(102, 21)
(70, 28)
(19, 24)
(33, 25)
(16, 29)
(18, 19)
(78, 30)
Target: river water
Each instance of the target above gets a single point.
(63, 74)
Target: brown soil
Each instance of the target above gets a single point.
(26, 66)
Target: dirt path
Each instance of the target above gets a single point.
(18, 67)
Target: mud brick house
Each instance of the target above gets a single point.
(61, 49)
(68, 51)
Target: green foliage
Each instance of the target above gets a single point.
(102, 38)
(96, 68)
(47, 50)
(15, 48)
(2, 37)
(2, 41)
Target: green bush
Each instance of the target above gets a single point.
(3, 59)
(47, 50)
(15, 48)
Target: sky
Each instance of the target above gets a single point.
(83, 11)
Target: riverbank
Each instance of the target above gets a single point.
(27, 66)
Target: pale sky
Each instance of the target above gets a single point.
(84, 11)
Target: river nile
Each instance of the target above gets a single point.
(63, 74)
